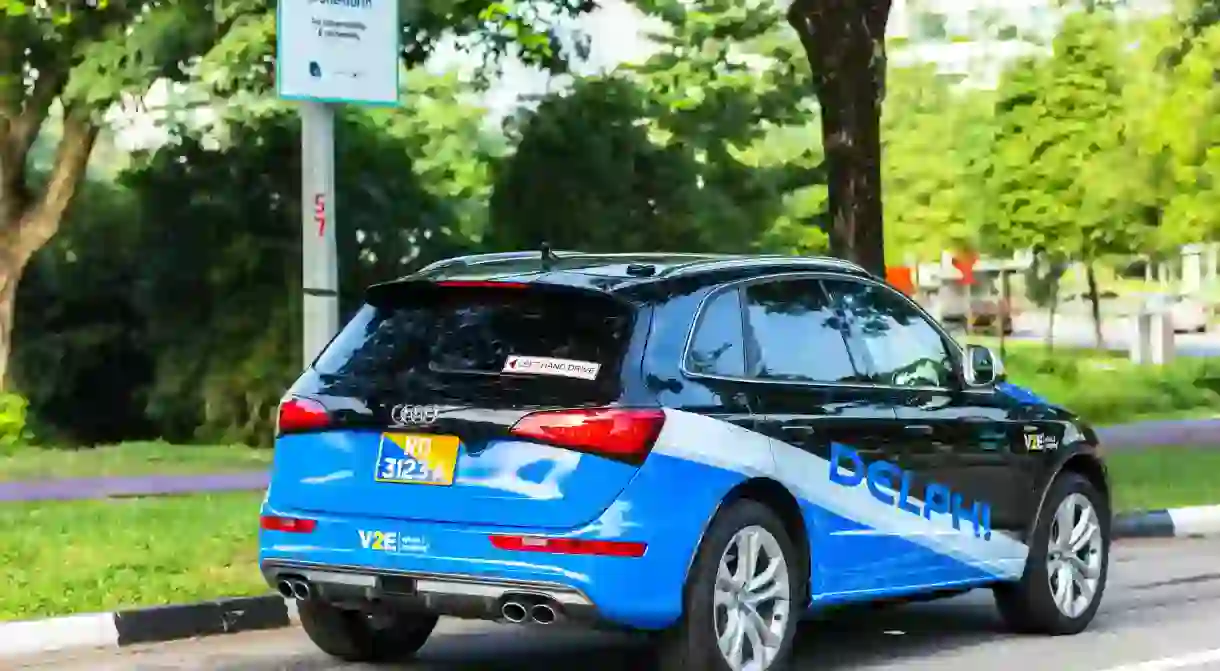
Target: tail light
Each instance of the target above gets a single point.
(292, 525)
(301, 414)
(569, 546)
(625, 434)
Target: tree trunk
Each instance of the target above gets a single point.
(1094, 305)
(28, 222)
(844, 41)
(9, 278)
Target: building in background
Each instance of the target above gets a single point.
(973, 40)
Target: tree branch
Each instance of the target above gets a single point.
(36, 227)
(25, 128)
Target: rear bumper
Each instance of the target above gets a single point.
(453, 595)
(456, 570)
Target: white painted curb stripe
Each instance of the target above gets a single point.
(1199, 520)
(1169, 663)
(28, 638)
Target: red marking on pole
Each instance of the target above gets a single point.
(965, 265)
(319, 212)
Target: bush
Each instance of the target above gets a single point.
(13, 430)
(1104, 389)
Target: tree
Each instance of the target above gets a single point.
(728, 87)
(844, 41)
(1060, 169)
(924, 168)
(205, 230)
(76, 60)
(1175, 135)
(81, 57)
(586, 175)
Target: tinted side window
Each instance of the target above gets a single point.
(903, 348)
(717, 348)
(794, 334)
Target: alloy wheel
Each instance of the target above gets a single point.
(1074, 556)
(751, 600)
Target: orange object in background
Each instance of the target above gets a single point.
(965, 265)
(901, 278)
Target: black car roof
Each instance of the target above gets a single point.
(610, 272)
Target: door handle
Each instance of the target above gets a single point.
(918, 429)
(800, 429)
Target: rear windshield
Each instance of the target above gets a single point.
(487, 345)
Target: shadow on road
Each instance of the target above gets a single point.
(849, 640)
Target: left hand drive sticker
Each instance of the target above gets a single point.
(541, 365)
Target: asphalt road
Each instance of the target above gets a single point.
(1161, 611)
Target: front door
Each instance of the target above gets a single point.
(957, 442)
(807, 395)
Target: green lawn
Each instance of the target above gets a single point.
(130, 459)
(1165, 477)
(89, 556)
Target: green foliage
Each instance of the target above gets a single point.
(171, 304)
(925, 165)
(679, 152)
(14, 432)
(1113, 391)
(586, 175)
(1058, 151)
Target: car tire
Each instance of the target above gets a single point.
(353, 636)
(1031, 605)
(694, 642)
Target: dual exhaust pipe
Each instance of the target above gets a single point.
(516, 610)
(520, 610)
(294, 588)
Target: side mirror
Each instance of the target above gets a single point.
(982, 367)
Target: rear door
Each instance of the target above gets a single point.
(478, 403)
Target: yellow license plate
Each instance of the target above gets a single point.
(419, 459)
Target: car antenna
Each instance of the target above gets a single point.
(548, 256)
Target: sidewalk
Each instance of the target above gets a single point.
(150, 485)
(1201, 432)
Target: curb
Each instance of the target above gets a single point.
(1168, 523)
(146, 625)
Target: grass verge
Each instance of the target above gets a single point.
(89, 556)
(1164, 477)
(145, 458)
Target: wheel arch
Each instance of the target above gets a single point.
(1083, 461)
(783, 503)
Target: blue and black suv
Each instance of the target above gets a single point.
(705, 447)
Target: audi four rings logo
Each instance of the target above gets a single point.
(414, 414)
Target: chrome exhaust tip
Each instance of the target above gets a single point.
(543, 614)
(513, 611)
(285, 589)
(300, 590)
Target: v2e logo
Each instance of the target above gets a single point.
(1038, 442)
(382, 541)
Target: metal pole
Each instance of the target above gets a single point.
(319, 256)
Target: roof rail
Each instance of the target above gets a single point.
(491, 257)
(786, 258)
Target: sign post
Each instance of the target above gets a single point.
(330, 52)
